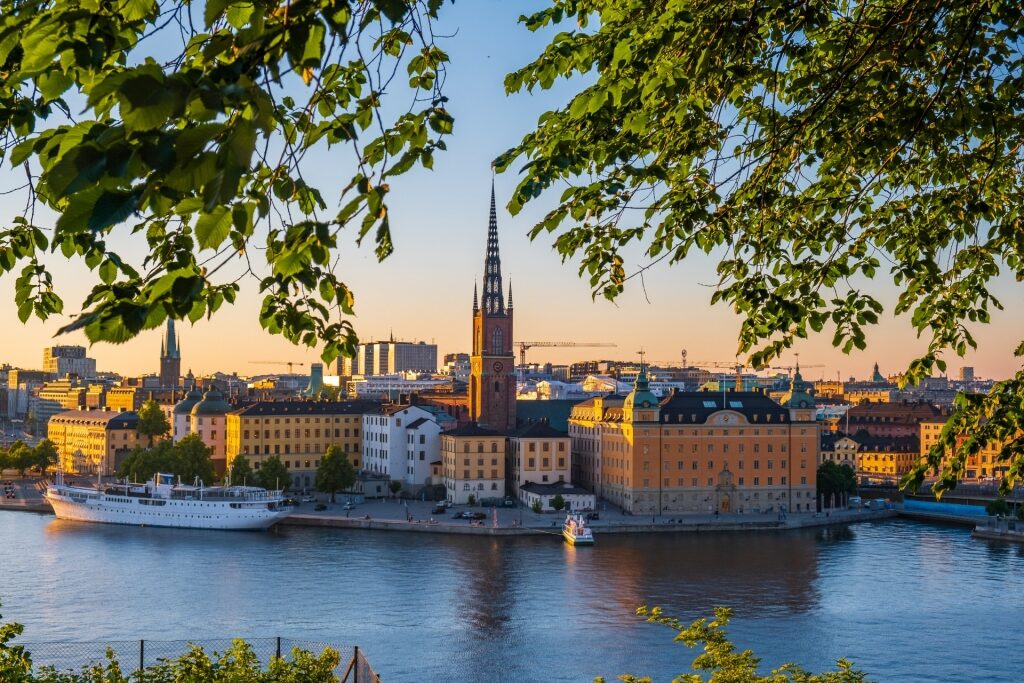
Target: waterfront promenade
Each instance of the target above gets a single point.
(417, 516)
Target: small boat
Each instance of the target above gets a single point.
(576, 532)
(163, 502)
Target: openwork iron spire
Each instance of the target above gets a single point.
(493, 299)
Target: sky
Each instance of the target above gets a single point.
(439, 227)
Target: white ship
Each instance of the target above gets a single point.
(162, 502)
(575, 530)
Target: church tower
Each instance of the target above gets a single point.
(492, 382)
(170, 357)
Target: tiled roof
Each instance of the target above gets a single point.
(288, 408)
(539, 430)
(471, 430)
(112, 420)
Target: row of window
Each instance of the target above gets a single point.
(287, 449)
(338, 433)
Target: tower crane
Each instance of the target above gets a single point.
(278, 362)
(731, 365)
(525, 345)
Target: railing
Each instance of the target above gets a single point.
(139, 655)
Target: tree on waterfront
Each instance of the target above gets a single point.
(998, 508)
(20, 457)
(192, 459)
(152, 421)
(394, 486)
(44, 456)
(557, 502)
(273, 475)
(836, 479)
(335, 472)
(809, 147)
(241, 471)
(142, 463)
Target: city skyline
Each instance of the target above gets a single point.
(439, 220)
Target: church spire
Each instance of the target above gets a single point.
(169, 346)
(493, 299)
(476, 306)
(510, 293)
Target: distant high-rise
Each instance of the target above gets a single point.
(170, 357)
(967, 373)
(390, 358)
(68, 360)
(492, 384)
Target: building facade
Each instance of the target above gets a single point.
(698, 452)
(62, 361)
(298, 432)
(538, 454)
(492, 382)
(474, 463)
(389, 358)
(91, 440)
(401, 441)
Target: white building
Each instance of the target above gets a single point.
(393, 386)
(401, 442)
(389, 358)
(574, 497)
(181, 415)
(62, 361)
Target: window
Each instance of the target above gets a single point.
(497, 342)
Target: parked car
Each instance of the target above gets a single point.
(319, 507)
(308, 499)
(477, 515)
(459, 514)
(854, 502)
(509, 502)
(593, 515)
(438, 510)
(349, 506)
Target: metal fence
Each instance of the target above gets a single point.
(137, 655)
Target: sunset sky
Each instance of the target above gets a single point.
(439, 221)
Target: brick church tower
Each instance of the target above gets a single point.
(492, 382)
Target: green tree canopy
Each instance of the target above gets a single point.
(809, 146)
(836, 479)
(152, 421)
(142, 463)
(20, 457)
(45, 455)
(241, 472)
(273, 475)
(192, 460)
(557, 502)
(394, 486)
(335, 472)
(185, 133)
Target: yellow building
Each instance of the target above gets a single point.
(698, 452)
(91, 439)
(539, 454)
(885, 459)
(842, 450)
(474, 463)
(981, 466)
(298, 432)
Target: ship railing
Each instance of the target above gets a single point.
(146, 657)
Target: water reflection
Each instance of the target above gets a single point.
(465, 610)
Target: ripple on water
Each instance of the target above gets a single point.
(907, 602)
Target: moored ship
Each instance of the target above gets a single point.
(163, 502)
(576, 531)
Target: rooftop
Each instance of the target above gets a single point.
(282, 408)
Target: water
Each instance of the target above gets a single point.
(905, 601)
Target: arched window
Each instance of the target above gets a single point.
(497, 341)
(497, 387)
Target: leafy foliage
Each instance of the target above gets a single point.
(813, 147)
(273, 475)
(152, 421)
(836, 479)
(998, 507)
(394, 486)
(189, 134)
(722, 663)
(335, 472)
(240, 472)
(557, 502)
(189, 459)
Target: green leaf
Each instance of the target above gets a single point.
(212, 228)
(146, 102)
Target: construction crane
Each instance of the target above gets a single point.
(278, 362)
(731, 365)
(523, 346)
